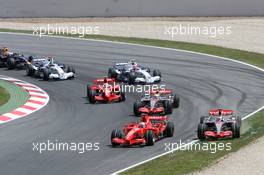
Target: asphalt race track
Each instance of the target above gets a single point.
(202, 82)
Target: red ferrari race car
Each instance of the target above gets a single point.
(157, 102)
(105, 90)
(146, 132)
(220, 123)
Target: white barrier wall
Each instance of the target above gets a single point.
(84, 8)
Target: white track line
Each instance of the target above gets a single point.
(164, 48)
(132, 44)
(171, 151)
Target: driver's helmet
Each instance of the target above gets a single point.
(50, 60)
(157, 94)
(5, 49)
(4, 52)
(133, 63)
(220, 119)
(30, 59)
(142, 125)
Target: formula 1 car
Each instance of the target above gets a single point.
(157, 102)
(220, 123)
(132, 73)
(120, 67)
(146, 132)
(54, 71)
(105, 90)
(35, 66)
(51, 70)
(12, 60)
(139, 76)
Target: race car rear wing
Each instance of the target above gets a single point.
(148, 118)
(101, 80)
(161, 91)
(223, 112)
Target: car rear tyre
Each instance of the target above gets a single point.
(200, 133)
(70, 69)
(122, 96)
(11, 63)
(112, 73)
(46, 74)
(236, 130)
(137, 105)
(29, 71)
(156, 72)
(131, 79)
(169, 131)
(176, 101)
(167, 107)
(238, 120)
(88, 91)
(149, 137)
(202, 119)
(92, 95)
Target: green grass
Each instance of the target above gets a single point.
(16, 97)
(182, 162)
(4, 96)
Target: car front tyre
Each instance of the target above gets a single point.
(149, 137)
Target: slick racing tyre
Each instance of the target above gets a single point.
(11, 63)
(169, 131)
(122, 96)
(238, 120)
(201, 130)
(70, 69)
(176, 101)
(156, 72)
(149, 137)
(46, 74)
(236, 130)
(167, 107)
(116, 134)
(202, 119)
(131, 79)
(29, 71)
(137, 105)
(88, 91)
(92, 95)
(112, 73)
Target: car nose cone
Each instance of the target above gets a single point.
(218, 128)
